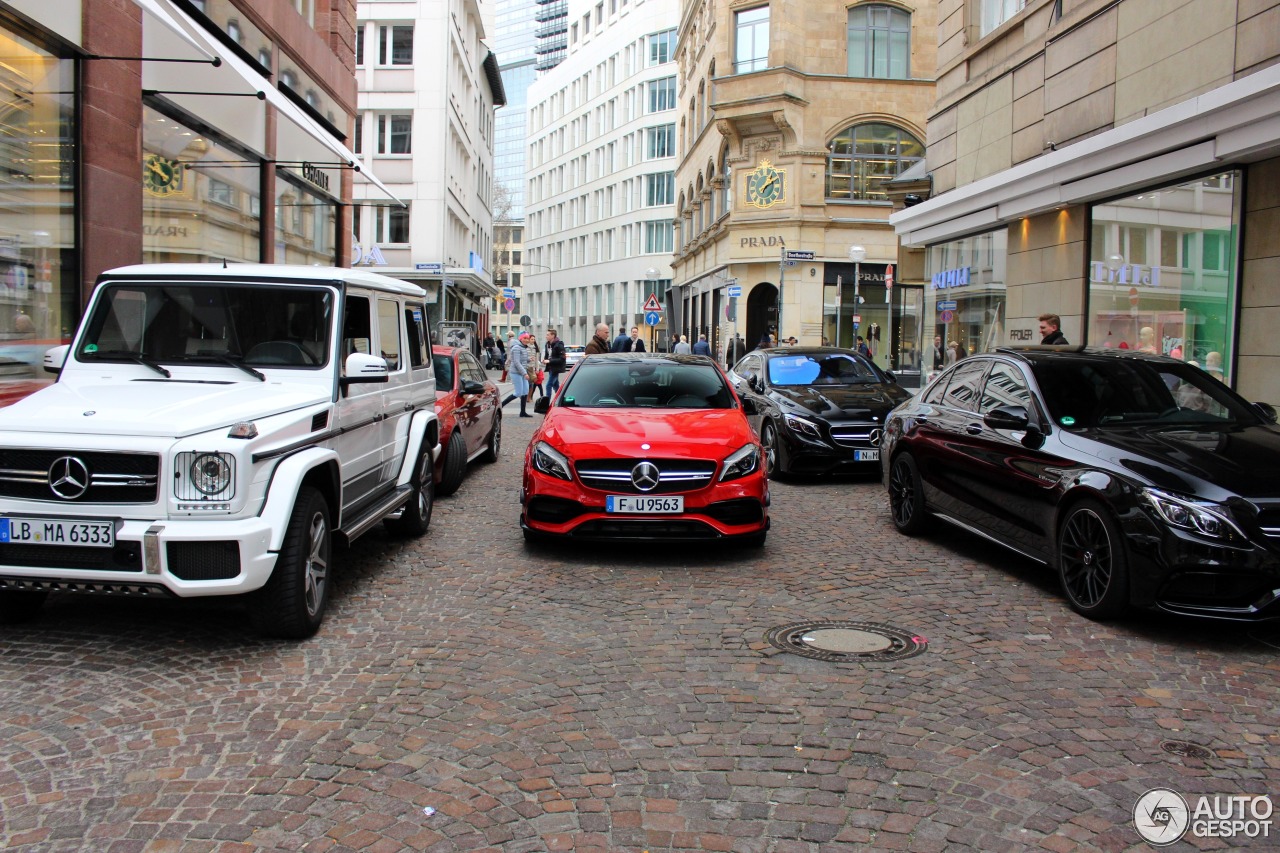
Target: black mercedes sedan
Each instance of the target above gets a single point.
(820, 410)
(1142, 481)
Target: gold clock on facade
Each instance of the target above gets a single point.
(766, 186)
(162, 176)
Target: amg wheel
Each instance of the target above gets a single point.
(495, 439)
(292, 603)
(415, 518)
(906, 496)
(769, 440)
(455, 464)
(1091, 562)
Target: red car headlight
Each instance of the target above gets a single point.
(551, 462)
(741, 462)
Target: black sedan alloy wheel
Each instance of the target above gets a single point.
(906, 497)
(1091, 562)
(769, 439)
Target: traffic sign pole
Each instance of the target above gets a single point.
(839, 286)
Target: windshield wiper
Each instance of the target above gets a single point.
(228, 358)
(131, 356)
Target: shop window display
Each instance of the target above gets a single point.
(1162, 273)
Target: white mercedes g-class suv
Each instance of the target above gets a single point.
(212, 430)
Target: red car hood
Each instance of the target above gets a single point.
(670, 433)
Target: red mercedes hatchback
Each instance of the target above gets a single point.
(645, 446)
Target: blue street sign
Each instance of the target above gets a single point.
(946, 306)
(652, 318)
(509, 292)
(800, 255)
(429, 267)
(734, 291)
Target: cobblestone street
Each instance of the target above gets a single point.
(469, 692)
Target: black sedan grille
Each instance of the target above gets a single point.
(114, 478)
(674, 475)
(856, 435)
(1269, 520)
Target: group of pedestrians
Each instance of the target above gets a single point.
(528, 369)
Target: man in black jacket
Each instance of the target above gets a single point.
(1049, 329)
(553, 362)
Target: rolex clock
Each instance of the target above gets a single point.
(765, 185)
(162, 176)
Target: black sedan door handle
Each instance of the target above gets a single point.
(974, 429)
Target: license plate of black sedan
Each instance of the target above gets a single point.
(866, 456)
(59, 531)
(642, 505)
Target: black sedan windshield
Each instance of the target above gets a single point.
(1101, 392)
(664, 385)
(820, 369)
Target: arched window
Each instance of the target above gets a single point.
(879, 42)
(863, 156)
(726, 188)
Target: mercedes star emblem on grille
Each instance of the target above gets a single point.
(874, 437)
(645, 476)
(68, 477)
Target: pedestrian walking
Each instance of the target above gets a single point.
(682, 346)
(1051, 331)
(599, 343)
(701, 347)
(519, 357)
(553, 362)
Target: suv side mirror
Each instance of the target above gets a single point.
(362, 368)
(1267, 410)
(56, 357)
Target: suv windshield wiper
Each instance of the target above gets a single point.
(131, 356)
(227, 358)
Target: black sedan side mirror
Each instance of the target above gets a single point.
(540, 407)
(1007, 417)
(1267, 411)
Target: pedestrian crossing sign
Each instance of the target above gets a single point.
(653, 304)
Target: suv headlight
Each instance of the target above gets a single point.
(804, 426)
(203, 476)
(741, 462)
(550, 461)
(1204, 519)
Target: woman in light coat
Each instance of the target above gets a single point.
(519, 356)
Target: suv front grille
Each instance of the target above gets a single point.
(674, 475)
(112, 478)
(124, 557)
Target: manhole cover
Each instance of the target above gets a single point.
(846, 641)
(1187, 750)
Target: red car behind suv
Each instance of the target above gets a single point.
(647, 446)
(469, 412)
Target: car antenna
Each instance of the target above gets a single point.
(224, 263)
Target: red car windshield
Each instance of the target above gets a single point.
(631, 384)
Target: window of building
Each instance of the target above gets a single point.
(660, 141)
(360, 44)
(660, 188)
(306, 223)
(395, 44)
(661, 47)
(307, 9)
(879, 40)
(659, 236)
(751, 51)
(390, 224)
(864, 156)
(1181, 301)
(662, 94)
(357, 143)
(993, 13)
(395, 134)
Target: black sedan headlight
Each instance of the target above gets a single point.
(741, 462)
(1205, 519)
(803, 426)
(551, 462)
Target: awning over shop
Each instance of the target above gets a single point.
(169, 31)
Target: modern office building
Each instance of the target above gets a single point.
(552, 32)
(792, 124)
(600, 193)
(123, 142)
(428, 87)
(1115, 162)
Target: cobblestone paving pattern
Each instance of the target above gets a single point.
(622, 698)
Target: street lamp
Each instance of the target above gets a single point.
(651, 276)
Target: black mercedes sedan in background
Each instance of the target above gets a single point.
(1141, 480)
(820, 410)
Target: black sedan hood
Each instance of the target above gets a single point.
(1243, 461)
(840, 401)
